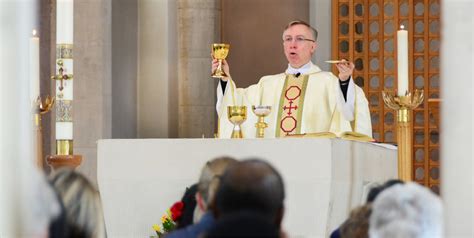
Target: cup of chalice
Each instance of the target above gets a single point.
(237, 115)
(261, 112)
(219, 52)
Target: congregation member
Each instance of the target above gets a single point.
(357, 225)
(206, 189)
(244, 224)
(375, 191)
(41, 213)
(84, 217)
(59, 226)
(406, 210)
(253, 186)
(303, 99)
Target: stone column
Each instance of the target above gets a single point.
(320, 18)
(92, 80)
(198, 27)
(124, 68)
(457, 171)
(155, 72)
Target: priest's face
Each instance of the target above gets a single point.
(299, 45)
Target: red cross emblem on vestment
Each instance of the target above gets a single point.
(289, 123)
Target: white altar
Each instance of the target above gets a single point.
(139, 179)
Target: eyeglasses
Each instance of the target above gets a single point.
(298, 39)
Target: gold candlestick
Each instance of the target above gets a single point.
(40, 108)
(261, 112)
(404, 105)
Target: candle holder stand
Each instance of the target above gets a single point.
(404, 106)
(39, 109)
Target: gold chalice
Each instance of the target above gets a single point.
(237, 115)
(261, 112)
(220, 52)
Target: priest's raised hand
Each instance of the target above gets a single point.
(225, 67)
(346, 68)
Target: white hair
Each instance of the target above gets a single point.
(406, 211)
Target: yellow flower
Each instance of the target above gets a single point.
(164, 218)
(157, 228)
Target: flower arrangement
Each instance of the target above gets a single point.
(169, 219)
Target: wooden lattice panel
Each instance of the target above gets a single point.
(364, 31)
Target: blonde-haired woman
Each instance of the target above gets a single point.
(82, 204)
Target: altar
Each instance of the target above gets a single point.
(139, 179)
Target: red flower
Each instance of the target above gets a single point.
(176, 210)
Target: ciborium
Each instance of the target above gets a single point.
(261, 112)
(220, 52)
(237, 115)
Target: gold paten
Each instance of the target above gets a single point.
(220, 52)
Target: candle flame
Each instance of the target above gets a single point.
(402, 27)
(34, 32)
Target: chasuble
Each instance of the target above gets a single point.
(308, 103)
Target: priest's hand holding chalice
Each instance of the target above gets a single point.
(220, 69)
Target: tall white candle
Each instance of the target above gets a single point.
(64, 21)
(64, 36)
(64, 131)
(34, 67)
(402, 54)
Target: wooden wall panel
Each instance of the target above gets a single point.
(364, 31)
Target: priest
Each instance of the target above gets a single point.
(303, 99)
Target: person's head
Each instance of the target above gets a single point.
(375, 191)
(38, 207)
(251, 185)
(299, 43)
(243, 224)
(357, 225)
(81, 202)
(209, 180)
(406, 210)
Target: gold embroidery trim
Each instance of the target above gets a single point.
(64, 51)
